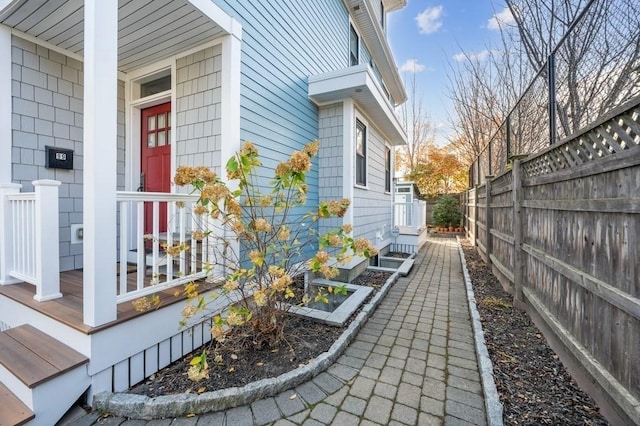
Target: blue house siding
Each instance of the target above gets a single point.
(283, 42)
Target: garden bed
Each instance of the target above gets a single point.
(533, 385)
(306, 340)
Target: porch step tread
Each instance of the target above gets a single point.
(12, 411)
(34, 357)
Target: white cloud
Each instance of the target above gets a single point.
(430, 20)
(476, 56)
(501, 18)
(412, 65)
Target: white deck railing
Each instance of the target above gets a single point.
(30, 237)
(410, 217)
(156, 269)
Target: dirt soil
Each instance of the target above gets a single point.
(306, 340)
(533, 385)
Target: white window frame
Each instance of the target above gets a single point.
(359, 118)
(388, 181)
(355, 29)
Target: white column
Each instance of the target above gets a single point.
(229, 115)
(6, 236)
(47, 241)
(5, 104)
(99, 144)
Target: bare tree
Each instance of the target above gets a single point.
(596, 44)
(419, 129)
(596, 48)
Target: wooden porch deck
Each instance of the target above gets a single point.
(68, 308)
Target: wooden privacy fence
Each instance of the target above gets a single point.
(561, 231)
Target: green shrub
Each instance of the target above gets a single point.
(446, 212)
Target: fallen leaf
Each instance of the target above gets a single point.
(234, 356)
(202, 389)
(293, 396)
(231, 369)
(190, 415)
(260, 364)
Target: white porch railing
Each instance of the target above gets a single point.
(29, 247)
(29, 243)
(410, 217)
(156, 268)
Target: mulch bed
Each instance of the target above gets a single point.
(306, 340)
(533, 385)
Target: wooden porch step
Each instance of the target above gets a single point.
(34, 357)
(12, 411)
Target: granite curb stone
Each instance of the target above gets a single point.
(493, 406)
(143, 407)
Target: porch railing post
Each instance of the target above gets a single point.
(6, 219)
(47, 245)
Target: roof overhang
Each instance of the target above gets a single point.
(359, 84)
(393, 5)
(148, 31)
(363, 13)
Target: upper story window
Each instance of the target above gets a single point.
(354, 48)
(382, 14)
(387, 169)
(361, 153)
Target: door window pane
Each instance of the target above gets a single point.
(168, 136)
(151, 140)
(161, 121)
(162, 138)
(151, 123)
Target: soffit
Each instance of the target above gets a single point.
(148, 30)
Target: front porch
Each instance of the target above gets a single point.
(78, 243)
(67, 309)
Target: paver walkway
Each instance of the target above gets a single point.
(413, 363)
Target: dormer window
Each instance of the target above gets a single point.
(354, 51)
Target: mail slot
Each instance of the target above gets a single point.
(58, 158)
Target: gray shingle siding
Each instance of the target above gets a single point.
(198, 98)
(372, 206)
(47, 103)
(330, 158)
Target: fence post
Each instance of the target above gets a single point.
(488, 244)
(6, 225)
(47, 241)
(518, 254)
(475, 216)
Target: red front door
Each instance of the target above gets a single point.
(156, 159)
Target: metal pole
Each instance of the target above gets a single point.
(551, 72)
(508, 123)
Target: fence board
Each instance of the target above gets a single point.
(565, 227)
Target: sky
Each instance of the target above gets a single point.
(429, 36)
